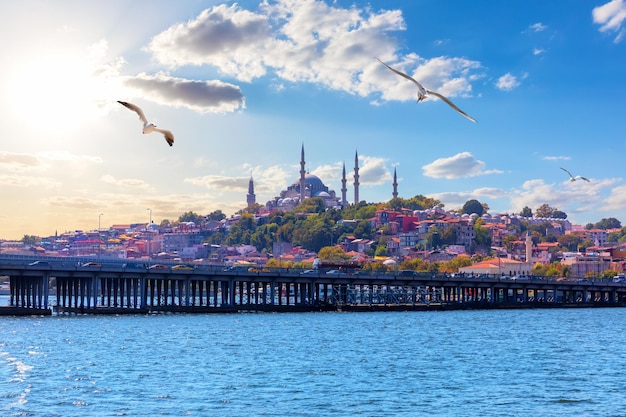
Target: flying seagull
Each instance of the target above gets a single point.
(149, 127)
(422, 92)
(574, 178)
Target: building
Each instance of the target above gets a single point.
(306, 186)
(251, 197)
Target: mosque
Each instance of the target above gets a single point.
(309, 185)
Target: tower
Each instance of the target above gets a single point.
(395, 184)
(356, 177)
(302, 175)
(344, 190)
(529, 248)
(251, 197)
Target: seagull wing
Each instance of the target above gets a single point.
(136, 110)
(169, 136)
(421, 88)
(568, 173)
(583, 178)
(451, 104)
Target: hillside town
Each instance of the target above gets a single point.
(309, 221)
(406, 237)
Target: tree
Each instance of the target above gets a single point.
(610, 223)
(332, 252)
(241, 232)
(570, 242)
(507, 242)
(381, 250)
(473, 206)
(216, 215)
(311, 205)
(419, 202)
(433, 238)
(190, 216)
(28, 240)
(546, 211)
(526, 212)
(251, 209)
(482, 237)
(454, 264)
(363, 230)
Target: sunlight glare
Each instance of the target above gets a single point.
(61, 92)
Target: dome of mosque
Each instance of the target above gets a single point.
(310, 180)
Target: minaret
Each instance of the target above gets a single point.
(395, 184)
(344, 190)
(302, 174)
(529, 249)
(250, 197)
(356, 178)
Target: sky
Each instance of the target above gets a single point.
(243, 86)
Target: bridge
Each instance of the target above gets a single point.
(79, 286)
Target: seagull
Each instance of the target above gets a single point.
(422, 92)
(149, 127)
(574, 178)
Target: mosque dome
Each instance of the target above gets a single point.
(310, 181)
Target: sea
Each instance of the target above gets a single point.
(553, 362)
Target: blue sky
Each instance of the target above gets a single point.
(244, 85)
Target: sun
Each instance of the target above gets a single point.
(60, 91)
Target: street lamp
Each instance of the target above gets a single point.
(149, 232)
(99, 237)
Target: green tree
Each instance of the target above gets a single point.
(507, 242)
(526, 212)
(381, 250)
(216, 215)
(454, 264)
(240, 233)
(546, 211)
(448, 236)
(569, 242)
(610, 223)
(332, 252)
(482, 237)
(363, 230)
(311, 205)
(473, 206)
(190, 216)
(29, 240)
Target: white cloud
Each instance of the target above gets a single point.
(125, 182)
(309, 41)
(453, 200)
(538, 51)
(610, 16)
(460, 165)
(329, 173)
(556, 158)
(373, 171)
(537, 27)
(616, 201)
(266, 181)
(578, 196)
(25, 181)
(221, 182)
(201, 96)
(507, 82)
(233, 39)
(18, 162)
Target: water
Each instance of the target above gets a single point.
(459, 363)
